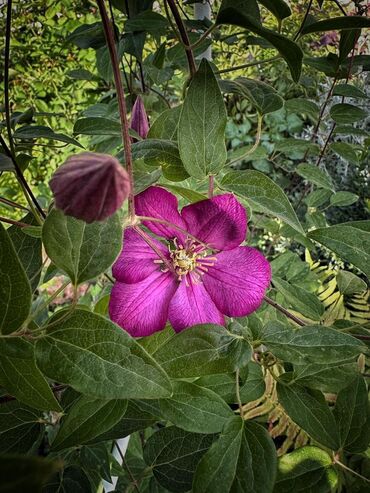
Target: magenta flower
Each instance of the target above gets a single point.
(187, 283)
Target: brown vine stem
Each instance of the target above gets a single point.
(11, 221)
(296, 36)
(184, 36)
(10, 203)
(211, 186)
(284, 310)
(109, 36)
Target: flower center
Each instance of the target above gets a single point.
(184, 261)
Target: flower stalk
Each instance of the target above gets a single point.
(109, 36)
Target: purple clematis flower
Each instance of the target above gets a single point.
(200, 276)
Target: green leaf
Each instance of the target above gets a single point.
(331, 377)
(242, 14)
(349, 283)
(279, 8)
(347, 241)
(306, 469)
(71, 479)
(88, 36)
(345, 151)
(20, 473)
(315, 175)
(336, 23)
(143, 179)
(308, 409)
(262, 194)
(310, 344)
(98, 358)
(166, 125)
(318, 197)
(41, 132)
(242, 460)
(194, 408)
(203, 350)
(82, 251)
(86, 419)
(6, 164)
(28, 249)
(290, 144)
(21, 377)
(201, 132)
(301, 300)
(134, 419)
(15, 290)
(342, 199)
(97, 126)
(188, 194)
(251, 382)
(347, 113)
(349, 91)
(149, 21)
(81, 74)
(261, 95)
(20, 428)
(161, 153)
(302, 106)
(353, 417)
(173, 454)
(347, 43)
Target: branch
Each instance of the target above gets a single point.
(184, 37)
(109, 36)
(285, 311)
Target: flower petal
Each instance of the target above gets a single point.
(238, 280)
(137, 260)
(221, 221)
(142, 308)
(161, 204)
(192, 305)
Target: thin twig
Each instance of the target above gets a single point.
(284, 310)
(125, 465)
(303, 21)
(237, 391)
(15, 223)
(13, 204)
(184, 37)
(109, 36)
(336, 461)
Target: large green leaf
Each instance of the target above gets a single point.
(242, 13)
(262, 194)
(349, 91)
(310, 344)
(20, 473)
(82, 251)
(307, 469)
(279, 8)
(349, 283)
(86, 419)
(28, 249)
(97, 358)
(20, 428)
(134, 419)
(201, 132)
(173, 454)
(315, 175)
(308, 409)
(353, 416)
(203, 350)
(161, 153)
(21, 377)
(166, 125)
(306, 303)
(15, 290)
(348, 241)
(40, 132)
(336, 23)
(195, 408)
(261, 95)
(343, 199)
(242, 460)
(97, 126)
(347, 113)
(345, 151)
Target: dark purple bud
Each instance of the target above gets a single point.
(90, 186)
(139, 118)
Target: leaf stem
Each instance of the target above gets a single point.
(296, 36)
(11, 221)
(109, 36)
(284, 310)
(337, 461)
(237, 391)
(202, 38)
(255, 145)
(211, 186)
(13, 204)
(125, 465)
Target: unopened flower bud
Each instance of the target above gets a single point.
(90, 186)
(139, 118)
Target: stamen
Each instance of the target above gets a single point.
(158, 261)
